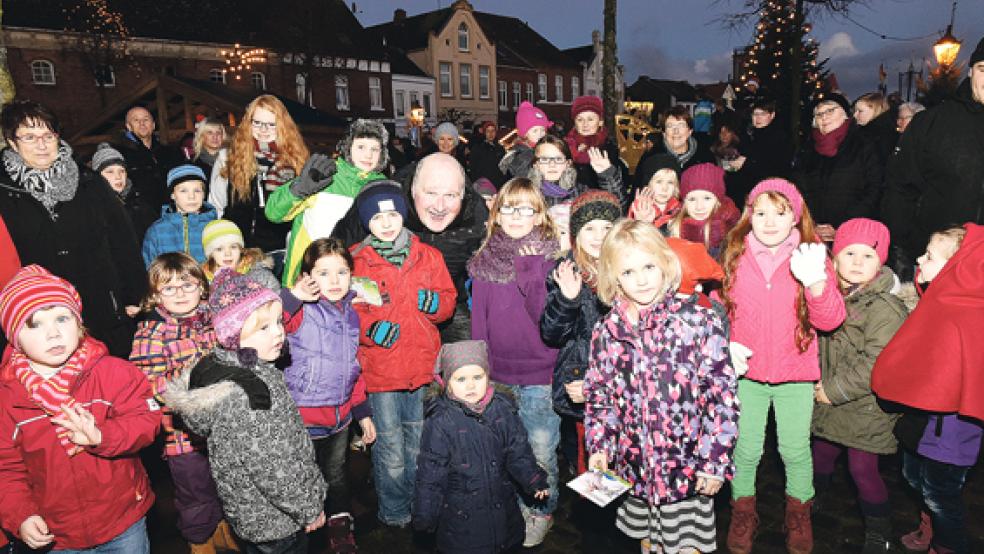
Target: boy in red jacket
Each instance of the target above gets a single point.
(73, 422)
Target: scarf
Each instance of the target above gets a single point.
(827, 145)
(576, 140)
(394, 252)
(682, 159)
(270, 175)
(207, 158)
(561, 189)
(56, 184)
(496, 260)
(718, 225)
(50, 394)
(477, 407)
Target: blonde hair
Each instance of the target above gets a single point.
(953, 234)
(166, 267)
(876, 101)
(198, 144)
(676, 180)
(271, 311)
(516, 191)
(248, 257)
(677, 222)
(630, 234)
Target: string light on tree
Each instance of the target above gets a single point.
(239, 60)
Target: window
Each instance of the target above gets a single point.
(446, 89)
(426, 105)
(375, 93)
(558, 88)
(516, 95)
(463, 37)
(542, 82)
(415, 99)
(575, 87)
(503, 96)
(341, 92)
(464, 77)
(398, 99)
(105, 77)
(259, 80)
(216, 76)
(42, 72)
(483, 81)
(529, 92)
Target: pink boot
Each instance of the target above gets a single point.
(918, 540)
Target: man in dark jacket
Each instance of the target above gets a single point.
(147, 159)
(483, 161)
(939, 177)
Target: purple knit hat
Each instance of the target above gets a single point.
(233, 298)
(784, 188)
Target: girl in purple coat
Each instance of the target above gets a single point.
(324, 377)
(509, 292)
(661, 407)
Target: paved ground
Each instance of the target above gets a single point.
(581, 529)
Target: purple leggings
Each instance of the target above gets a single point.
(862, 465)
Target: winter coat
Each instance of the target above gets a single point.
(147, 167)
(419, 341)
(518, 161)
(765, 319)
(141, 211)
(483, 161)
(843, 187)
(164, 346)
(248, 214)
(260, 455)
(609, 180)
(9, 261)
(177, 232)
(90, 244)
(92, 497)
(881, 132)
(847, 355)
(940, 174)
(587, 177)
(468, 469)
(702, 154)
(566, 324)
(767, 154)
(661, 398)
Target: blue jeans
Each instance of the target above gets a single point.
(132, 541)
(940, 486)
(543, 429)
(399, 418)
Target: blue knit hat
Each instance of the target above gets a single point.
(380, 196)
(182, 173)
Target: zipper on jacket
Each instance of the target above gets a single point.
(184, 230)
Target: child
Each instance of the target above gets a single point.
(326, 189)
(572, 308)
(778, 287)
(260, 455)
(933, 364)
(473, 440)
(660, 408)
(109, 162)
(324, 377)
(531, 126)
(561, 216)
(657, 197)
(509, 291)
(553, 172)
(174, 336)
(847, 414)
(73, 422)
(707, 214)
(224, 246)
(399, 339)
(182, 222)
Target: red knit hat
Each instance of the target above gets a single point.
(31, 289)
(784, 188)
(864, 231)
(587, 104)
(704, 176)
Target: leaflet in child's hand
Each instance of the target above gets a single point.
(368, 290)
(600, 487)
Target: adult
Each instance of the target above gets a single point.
(588, 132)
(109, 162)
(907, 111)
(148, 160)
(765, 152)
(210, 139)
(66, 219)
(872, 114)
(941, 168)
(679, 140)
(838, 170)
(486, 152)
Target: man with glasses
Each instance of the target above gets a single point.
(148, 160)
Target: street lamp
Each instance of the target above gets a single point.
(947, 48)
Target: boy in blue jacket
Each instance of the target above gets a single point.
(183, 220)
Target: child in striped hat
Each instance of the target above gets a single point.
(74, 419)
(224, 246)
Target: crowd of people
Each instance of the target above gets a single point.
(480, 315)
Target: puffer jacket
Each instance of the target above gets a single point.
(847, 355)
(177, 232)
(468, 469)
(661, 398)
(260, 454)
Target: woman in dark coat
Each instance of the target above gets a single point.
(587, 132)
(66, 219)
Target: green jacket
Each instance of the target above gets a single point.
(847, 355)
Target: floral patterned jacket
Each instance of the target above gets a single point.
(661, 398)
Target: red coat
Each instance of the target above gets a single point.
(92, 497)
(935, 361)
(9, 261)
(409, 363)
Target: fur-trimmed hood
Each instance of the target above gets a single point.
(366, 128)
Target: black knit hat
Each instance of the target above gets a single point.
(835, 97)
(591, 205)
(652, 164)
(978, 55)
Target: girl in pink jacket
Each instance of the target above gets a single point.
(778, 287)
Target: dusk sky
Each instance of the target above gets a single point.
(676, 39)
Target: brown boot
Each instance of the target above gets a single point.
(744, 522)
(799, 527)
(224, 538)
(207, 547)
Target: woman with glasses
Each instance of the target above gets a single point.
(553, 172)
(66, 218)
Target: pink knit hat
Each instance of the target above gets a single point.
(704, 176)
(529, 116)
(864, 231)
(234, 297)
(783, 187)
(31, 289)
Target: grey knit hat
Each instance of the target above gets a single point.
(106, 156)
(447, 128)
(456, 355)
(366, 128)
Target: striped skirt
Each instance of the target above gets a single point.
(670, 528)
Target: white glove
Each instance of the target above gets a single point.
(739, 357)
(808, 263)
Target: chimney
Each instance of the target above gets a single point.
(596, 40)
(399, 14)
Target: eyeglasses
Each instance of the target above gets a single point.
(820, 114)
(264, 125)
(555, 160)
(186, 288)
(47, 138)
(525, 211)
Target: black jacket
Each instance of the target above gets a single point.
(483, 161)
(250, 217)
(767, 153)
(881, 132)
(703, 155)
(140, 211)
(148, 167)
(842, 187)
(91, 244)
(586, 174)
(468, 470)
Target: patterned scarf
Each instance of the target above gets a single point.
(496, 260)
(270, 174)
(50, 394)
(56, 184)
(394, 252)
(576, 140)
